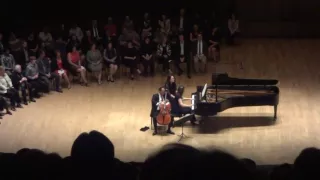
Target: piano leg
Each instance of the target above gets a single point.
(275, 107)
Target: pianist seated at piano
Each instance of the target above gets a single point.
(161, 96)
(179, 107)
(171, 86)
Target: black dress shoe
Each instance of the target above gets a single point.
(19, 106)
(13, 109)
(8, 112)
(154, 133)
(25, 103)
(170, 132)
(32, 100)
(59, 91)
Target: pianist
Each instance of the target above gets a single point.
(156, 99)
(178, 106)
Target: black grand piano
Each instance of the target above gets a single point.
(227, 92)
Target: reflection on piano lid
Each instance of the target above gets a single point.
(224, 79)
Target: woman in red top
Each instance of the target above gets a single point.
(60, 69)
(74, 60)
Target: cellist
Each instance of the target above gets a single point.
(161, 96)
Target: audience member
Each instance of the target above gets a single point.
(7, 90)
(15, 46)
(25, 55)
(164, 55)
(214, 48)
(181, 54)
(20, 82)
(32, 73)
(95, 30)
(4, 105)
(130, 60)
(111, 28)
(194, 34)
(94, 59)
(1, 44)
(110, 56)
(87, 42)
(146, 27)
(76, 31)
(58, 67)
(7, 61)
(32, 45)
(75, 65)
(165, 25)
(46, 75)
(128, 24)
(233, 29)
(147, 57)
(199, 57)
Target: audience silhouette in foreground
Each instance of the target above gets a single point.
(93, 157)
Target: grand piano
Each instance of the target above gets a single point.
(228, 92)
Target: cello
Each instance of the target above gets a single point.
(164, 116)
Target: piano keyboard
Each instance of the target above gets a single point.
(193, 100)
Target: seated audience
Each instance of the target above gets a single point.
(76, 31)
(129, 35)
(4, 105)
(171, 86)
(7, 90)
(1, 44)
(57, 66)
(111, 28)
(182, 22)
(147, 57)
(233, 29)
(130, 60)
(146, 27)
(199, 57)
(7, 61)
(110, 56)
(87, 42)
(164, 54)
(94, 60)
(95, 30)
(32, 73)
(194, 34)
(214, 47)
(128, 23)
(75, 65)
(179, 107)
(46, 75)
(15, 46)
(74, 42)
(25, 55)
(45, 37)
(61, 45)
(165, 25)
(32, 45)
(182, 55)
(20, 82)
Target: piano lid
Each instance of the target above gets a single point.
(224, 79)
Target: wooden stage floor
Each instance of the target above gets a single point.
(119, 110)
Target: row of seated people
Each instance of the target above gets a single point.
(92, 156)
(177, 51)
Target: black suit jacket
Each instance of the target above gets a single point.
(177, 49)
(15, 78)
(154, 107)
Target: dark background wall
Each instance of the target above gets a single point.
(259, 18)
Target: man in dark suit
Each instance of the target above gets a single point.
(199, 52)
(20, 82)
(182, 55)
(156, 99)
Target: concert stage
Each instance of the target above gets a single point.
(120, 109)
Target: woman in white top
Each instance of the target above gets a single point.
(7, 90)
(233, 28)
